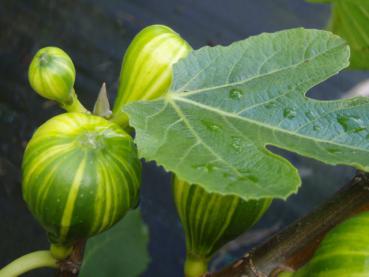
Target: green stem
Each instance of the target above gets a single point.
(29, 262)
(195, 266)
(60, 251)
(121, 119)
(75, 105)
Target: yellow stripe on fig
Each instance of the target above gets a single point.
(52, 75)
(147, 66)
(210, 220)
(81, 174)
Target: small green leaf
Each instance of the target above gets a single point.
(350, 20)
(227, 104)
(120, 251)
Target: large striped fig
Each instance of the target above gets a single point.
(344, 251)
(147, 66)
(52, 75)
(81, 174)
(210, 220)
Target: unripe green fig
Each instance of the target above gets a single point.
(147, 65)
(210, 220)
(81, 174)
(344, 252)
(52, 75)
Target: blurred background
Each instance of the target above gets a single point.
(96, 34)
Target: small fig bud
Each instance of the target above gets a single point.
(52, 75)
(210, 220)
(81, 174)
(147, 65)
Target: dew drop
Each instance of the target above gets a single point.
(226, 174)
(237, 144)
(270, 105)
(230, 177)
(209, 167)
(289, 113)
(244, 171)
(210, 125)
(333, 150)
(204, 167)
(235, 94)
(316, 127)
(253, 178)
(351, 123)
(309, 115)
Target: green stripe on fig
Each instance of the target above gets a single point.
(81, 174)
(147, 65)
(52, 74)
(344, 251)
(210, 220)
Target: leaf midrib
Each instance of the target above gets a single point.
(267, 126)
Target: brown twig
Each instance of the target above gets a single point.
(71, 266)
(294, 246)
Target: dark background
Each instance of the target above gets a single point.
(96, 34)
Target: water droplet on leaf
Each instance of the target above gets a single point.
(289, 113)
(270, 105)
(204, 167)
(237, 144)
(333, 150)
(351, 123)
(309, 115)
(253, 178)
(235, 94)
(210, 125)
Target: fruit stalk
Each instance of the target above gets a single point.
(29, 262)
(195, 266)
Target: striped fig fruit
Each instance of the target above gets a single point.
(81, 174)
(210, 220)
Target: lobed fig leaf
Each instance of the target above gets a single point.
(226, 104)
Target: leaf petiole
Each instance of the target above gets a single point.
(29, 262)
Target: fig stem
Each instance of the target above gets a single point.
(29, 262)
(195, 266)
(75, 105)
(121, 119)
